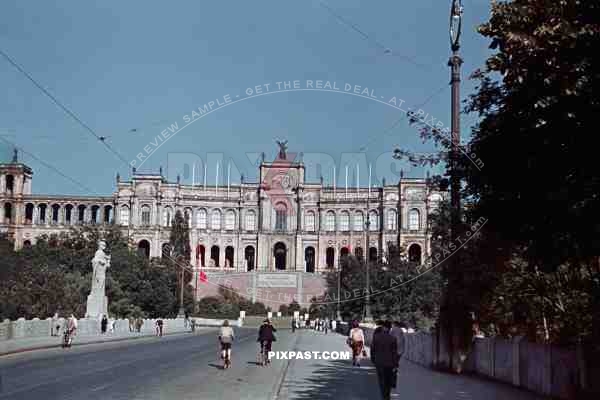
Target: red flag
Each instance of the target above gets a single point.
(203, 277)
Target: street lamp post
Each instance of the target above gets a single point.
(455, 63)
(339, 284)
(368, 316)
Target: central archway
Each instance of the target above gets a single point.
(280, 253)
(249, 257)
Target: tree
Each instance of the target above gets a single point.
(400, 290)
(541, 112)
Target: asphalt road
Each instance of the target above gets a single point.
(172, 367)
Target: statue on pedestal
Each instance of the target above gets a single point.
(100, 263)
(97, 303)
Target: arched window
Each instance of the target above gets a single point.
(358, 252)
(230, 220)
(188, 216)
(55, 214)
(359, 221)
(10, 184)
(373, 254)
(42, 213)
(330, 221)
(81, 213)
(145, 215)
(249, 257)
(250, 220)
(330, 257)
(309, 221)
(29, 213)
(69, 214)
(108, 215)
(414, 253)
(280, 217)
(124, 216)
(144, 248)
(229, 253)
(345, 221)
(414, 222)
(373, 221)
(167, 216)
(201, 219)
(95, 212)
(200, 255)
(215, 220)
(7, 213)
(214, 253)
(391, 220)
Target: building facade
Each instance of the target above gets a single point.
(281, 223)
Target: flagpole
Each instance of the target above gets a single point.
(217, 180)
(334, 179)
(193, 174)
(369, 180)
(346, 180)
(228, 177)
(357, 178)
(205, 177)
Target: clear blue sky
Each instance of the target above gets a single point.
(122, 65)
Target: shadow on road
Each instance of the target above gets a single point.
(217, 366)
(337, 379)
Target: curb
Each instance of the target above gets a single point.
(55, 346)
(282, 376)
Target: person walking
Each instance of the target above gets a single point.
(72, 328)
(333, 325)
(293, 325)
(54, 325)
(398, 330)
(159, 327)
(356, 340)
(384, 355)
(103, 324)
(326, 326)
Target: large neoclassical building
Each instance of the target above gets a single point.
(281, 223)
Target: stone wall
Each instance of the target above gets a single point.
(36, 328)
(545, 369)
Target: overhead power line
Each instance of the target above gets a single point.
(70, 113)
(47, 165)
(365, 36)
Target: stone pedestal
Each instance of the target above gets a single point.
(97, 305)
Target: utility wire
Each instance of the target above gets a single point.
(47, 165)
(365, 36)
(102, 139)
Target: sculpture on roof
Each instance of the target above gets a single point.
(282, 148)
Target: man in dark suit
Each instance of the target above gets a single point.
(384, 355)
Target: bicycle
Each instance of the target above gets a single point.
(265, 348)
(66, 343)
(226, 349)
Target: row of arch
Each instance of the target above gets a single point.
(57, 214)
(279, 253)
(332, 222)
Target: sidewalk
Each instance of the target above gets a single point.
(48, 342)
(335, 379)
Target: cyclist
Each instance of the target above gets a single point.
(266, 337)
(71, 328)
(226, 337)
